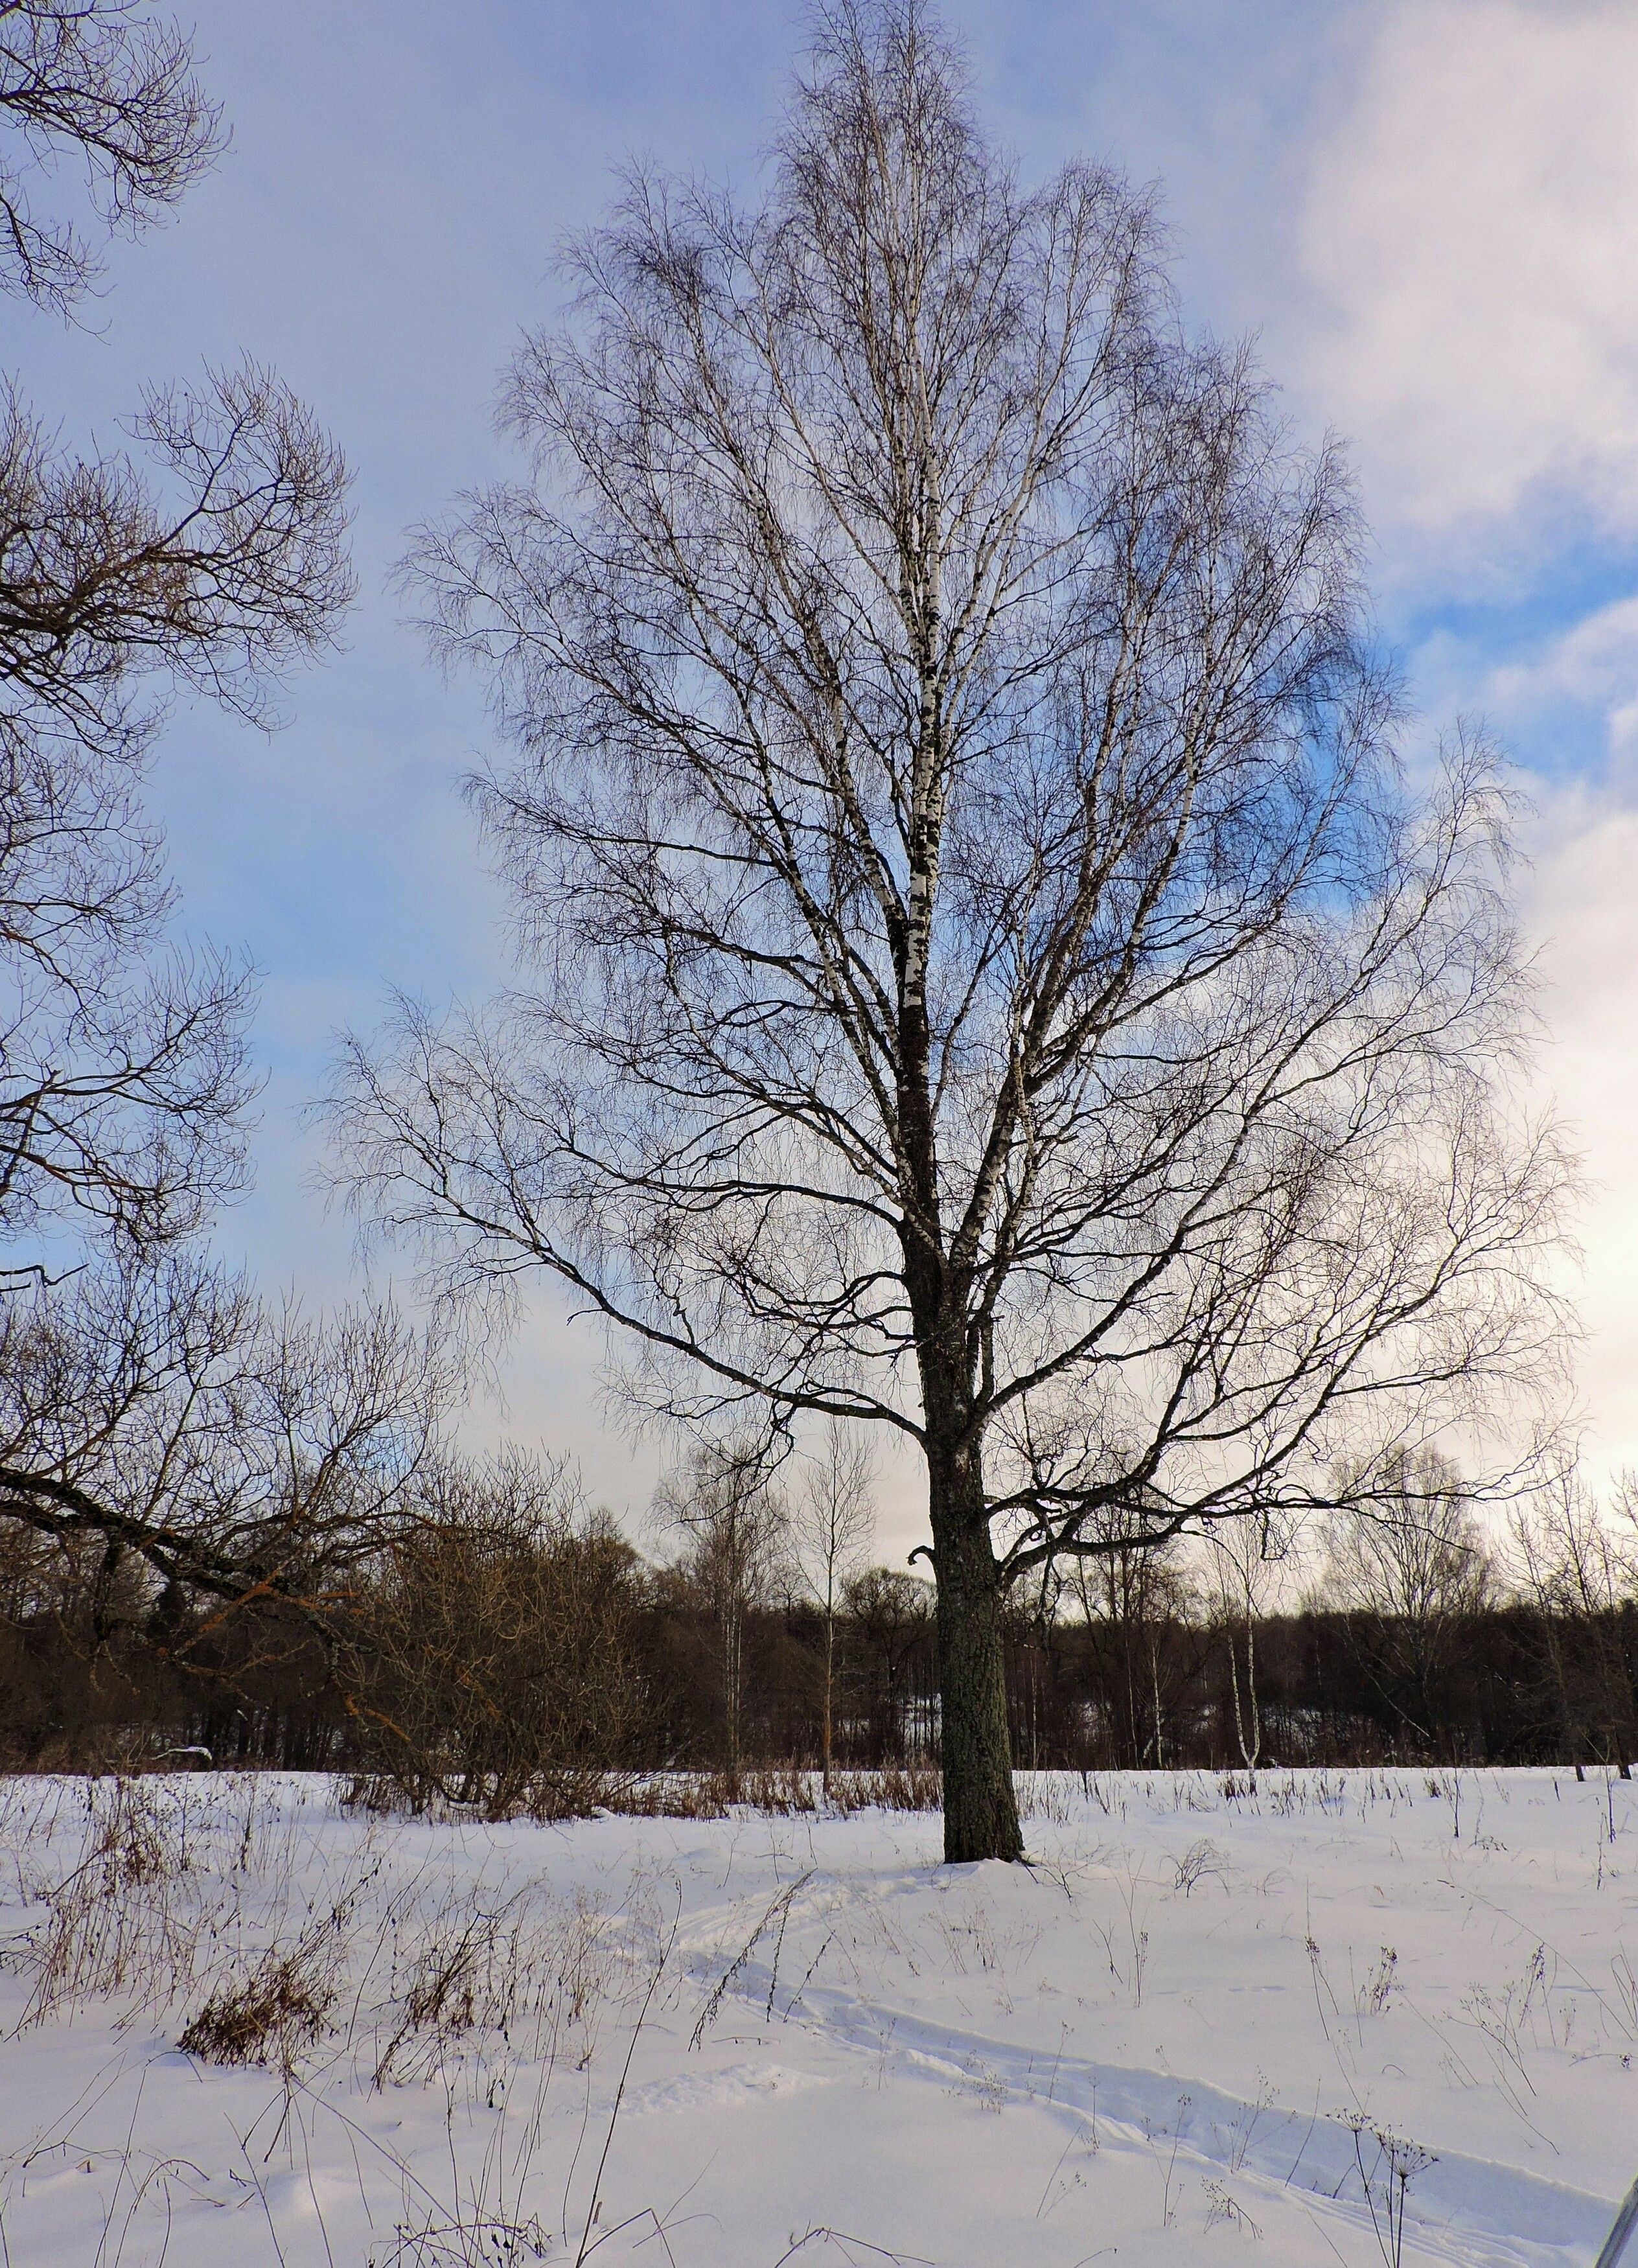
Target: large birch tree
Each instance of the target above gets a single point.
(983, 973)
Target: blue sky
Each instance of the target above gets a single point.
(1426, 210)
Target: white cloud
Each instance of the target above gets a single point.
(1471, 230)
(1596, 660)
(1576, 694)
(1582, 912)
(1582, 906)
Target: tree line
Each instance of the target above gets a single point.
(512, 1650)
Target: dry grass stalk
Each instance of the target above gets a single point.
(114, 1922)
(269, 2018)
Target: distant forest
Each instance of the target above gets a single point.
(517, 1663)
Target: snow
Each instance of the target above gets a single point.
(1208, 2024)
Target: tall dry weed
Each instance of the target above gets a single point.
(120, 1920)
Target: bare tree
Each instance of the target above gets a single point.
(1132, 1587)
(1415, 1562)
(1246, 1555)
(991, 980)
(154, 1418)
(833, 1526)
(122, 1075)
(210, 558)
(1580, 1570)
(733, 1524)
(111, 85)
(155, 1410)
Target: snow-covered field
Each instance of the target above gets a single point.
(1208, 2025)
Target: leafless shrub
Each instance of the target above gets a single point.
(1505, 2016)
(981, 2083)
(670, 1795)
(1224, 2210)
(453, 1981)
(1044, 1796)
(178, 1890)
(853, 2250)
(471, 2240)
(1166, 2159)
(774, 1920)
(491, 1662)
(1387, 2170)
(1379, 1989)
(784, 1790)
(1247, 2120)
(486, 2224)
(1625, 1980)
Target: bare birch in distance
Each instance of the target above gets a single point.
(985, 975)
(833, 1526)
(723, 1505)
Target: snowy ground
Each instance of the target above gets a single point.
(1207, 2025)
